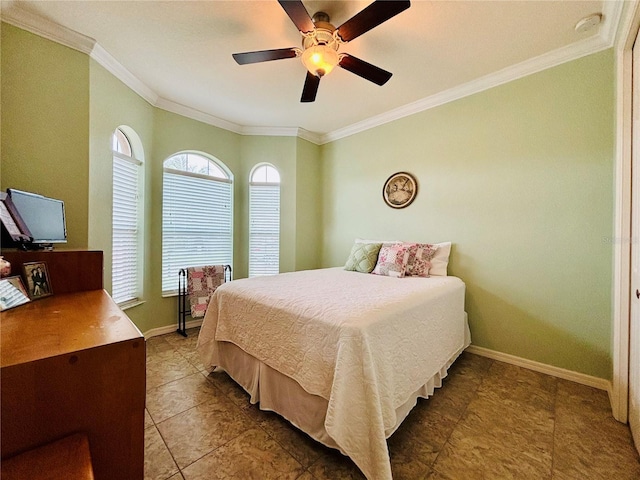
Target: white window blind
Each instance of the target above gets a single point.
(264, 229)
(125, 229)
(197, 224)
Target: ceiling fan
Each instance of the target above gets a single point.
(321, 41)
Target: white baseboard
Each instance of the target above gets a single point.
(154, 332)
(595, 382)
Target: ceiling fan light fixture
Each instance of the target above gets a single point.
(320, 59)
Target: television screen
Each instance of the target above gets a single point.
(43, 216)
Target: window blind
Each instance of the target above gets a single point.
(197, 224)
(264, 229)
(125, 243)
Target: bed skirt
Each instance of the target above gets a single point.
(281, 394)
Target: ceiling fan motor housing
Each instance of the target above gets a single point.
(320, 47)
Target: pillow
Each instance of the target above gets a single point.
(440, 260)
(420, 255)
(392, 260)
(363, 257)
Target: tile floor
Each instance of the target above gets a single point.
(490, 420)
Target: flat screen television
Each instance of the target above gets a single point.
(43, 216)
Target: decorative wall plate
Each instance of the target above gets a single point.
(400, 190)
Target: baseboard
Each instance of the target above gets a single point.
(154, 332)
(595, 382)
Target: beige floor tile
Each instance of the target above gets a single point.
(591, 444)
(148, 421)
(332, 465)
(158, 345)
(165, 367)
(422, 435)
(306, 476)
(224, 382)
(460, 386)
(299, 445)
(175, 397)
(194, 359)
(519, 387)
(490, 420)
(158, 463)
(192, 434)
(493, 440)
(470, 455)
(252, 455)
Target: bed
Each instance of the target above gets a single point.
(342, 355)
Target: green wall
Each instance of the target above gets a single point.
(45, 124)
(113, 105)
(520, 179)
(309, 212)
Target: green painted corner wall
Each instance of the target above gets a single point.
(520, 179)
(309, 212)
(45, 124)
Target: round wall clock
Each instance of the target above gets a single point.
(400, 190)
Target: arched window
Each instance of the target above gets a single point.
(126, 277)
(264, 221)
(197, 215)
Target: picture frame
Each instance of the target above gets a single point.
(12, 293)
(37, 279)
(400, 190)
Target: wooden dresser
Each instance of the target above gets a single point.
(73, 363)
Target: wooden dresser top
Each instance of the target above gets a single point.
(62, 324)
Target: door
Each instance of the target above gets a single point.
(634, 343)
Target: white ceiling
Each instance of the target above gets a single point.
(177, 54)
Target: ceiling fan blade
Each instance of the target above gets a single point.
(264, 55)
(378, 12)
(298, 15)
(365, 70)
(310, 89)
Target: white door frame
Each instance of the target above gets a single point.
(627, 33)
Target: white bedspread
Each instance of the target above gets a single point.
(363, 342)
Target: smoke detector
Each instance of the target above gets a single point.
(588, 23)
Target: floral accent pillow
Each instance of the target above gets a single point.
(392, 260)
(363, 257)
(420, 256)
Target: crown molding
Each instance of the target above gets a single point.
(118, 70)
(271, 131)
(309, 136)
(18, 17)
(282, 132)
(612, 12)
(605, 39)
(194, 114)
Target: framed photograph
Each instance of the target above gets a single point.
(400, 190)
(12, 293)
(37, 277)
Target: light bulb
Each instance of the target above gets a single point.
(320, 59)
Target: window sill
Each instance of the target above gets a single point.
(130, 304)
